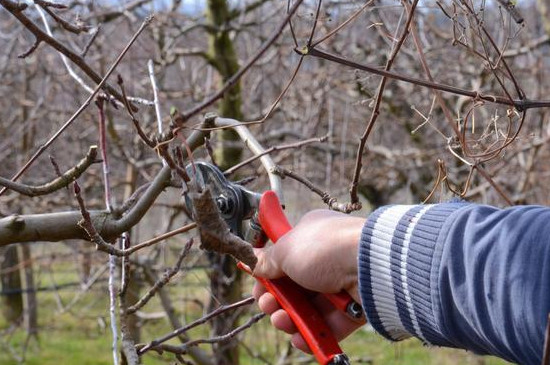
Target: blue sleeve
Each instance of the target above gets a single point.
(459, 275)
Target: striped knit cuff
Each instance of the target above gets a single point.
(396, 255)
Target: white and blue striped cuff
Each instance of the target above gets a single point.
(395, 260)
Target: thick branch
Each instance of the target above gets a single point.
(64, 225)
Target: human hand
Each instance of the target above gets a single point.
(319, 254)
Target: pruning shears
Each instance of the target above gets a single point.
(256, 218)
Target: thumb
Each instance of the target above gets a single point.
(268, 265)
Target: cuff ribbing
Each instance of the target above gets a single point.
(396, 256)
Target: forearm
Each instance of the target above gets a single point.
(456, 274)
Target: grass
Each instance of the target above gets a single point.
(82, 335)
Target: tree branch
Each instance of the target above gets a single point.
(64, 225)
(56, 184)
(519, 104)
(222, 309)
(17, 9)
(75, 115)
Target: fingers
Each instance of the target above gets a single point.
(340, 325)
(268, 304)
(279, 318)
(298, 341)
(258, 290)
(268, 265)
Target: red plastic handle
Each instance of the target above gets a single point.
(291, 296)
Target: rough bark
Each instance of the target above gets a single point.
(225, 279)
(12, 298)
(223, 57)
(544, 10)
(30, 302)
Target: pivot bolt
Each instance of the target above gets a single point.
(225, 205)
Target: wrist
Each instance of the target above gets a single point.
(351, 237)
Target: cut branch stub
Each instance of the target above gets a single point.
(214, 231)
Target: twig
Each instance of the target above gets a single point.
(114, 12)
(536, 43)
(87, 224)
(128, 203)
(109, 208)
(427, 71)
(46, 5)
(167, 235)
(511, 9)
(56, 184)
(105, 161)
(282, 147)
(73, 74)
(161, 282)
(126, 103)
(342, 25)
(519, 104)
(479, 22)
(86, 48)
(495, 186)
(17, 9)
(315, 20)
(327, 198)
(125, 244)
(281, 95)
(200, 356)
(222, 309)
(151, 69)
(162, 150)
(112, 308)
(101, 83)
(182, 349)
(55, 166)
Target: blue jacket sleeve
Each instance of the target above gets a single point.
(459, 275)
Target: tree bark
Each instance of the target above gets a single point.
(225, 278)
(30, 303)
(544, 11)
(12, 297)
(223, 57)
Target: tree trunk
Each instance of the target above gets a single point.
(225, 279)
(30, 303)
(12, 297)
(222, 56)
(134, 285)
(544, 10)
